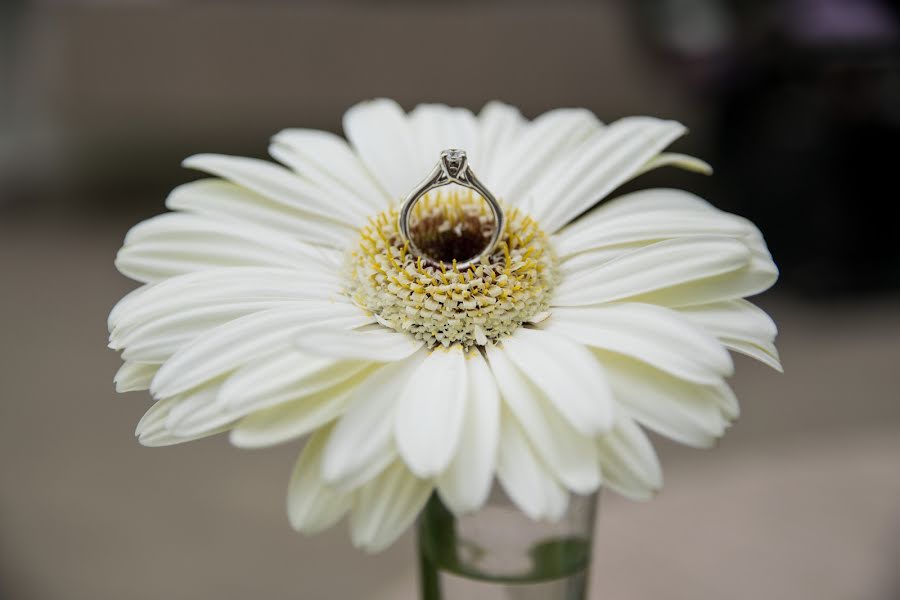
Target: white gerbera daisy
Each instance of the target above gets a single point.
(280, 302)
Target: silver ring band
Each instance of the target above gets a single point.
(453, 167)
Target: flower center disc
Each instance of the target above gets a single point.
(434, 300)
(454, 225)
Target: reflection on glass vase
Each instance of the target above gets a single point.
(498, 553)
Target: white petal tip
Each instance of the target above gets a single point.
(239, 439)
(774, 360)
(422, 464)
(196, 161)
(307, 528)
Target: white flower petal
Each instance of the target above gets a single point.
(568, 375)
(524, 479)
(437, 127)
(379, 345)
(586, 262)
(383, 138)
(658, 336)
(498, 127)
(329, 162)
(313, 506)
(294, 419)
(385, 507)
(753, 279)
(637, 203)
(654, 269)
(224, 200)
(541, 144)
(198, 412)
(767, 356)
(158, 339)
(568, 453)
(177, 243)
(214, 287)
(466, 484)
(646, 227)
(674, 159)
(607, 159)
(686, 412)
(279, 184)
(727, 401)
(754, 238)
(134, 376)
(628, 461)
(338, 196)
(240, 341)
(154, 419)
(273, 380)
(430, 412)
(739, 325)
(634, 205)
(153, 431)
(289, 421)
(363, 442)
(125, 304)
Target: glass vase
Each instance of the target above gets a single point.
(498, 553)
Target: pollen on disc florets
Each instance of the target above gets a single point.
(434, 300)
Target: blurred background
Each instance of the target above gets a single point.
(796, 103)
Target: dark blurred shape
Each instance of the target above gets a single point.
(807, 126)
(10, 30)
(837, 21)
